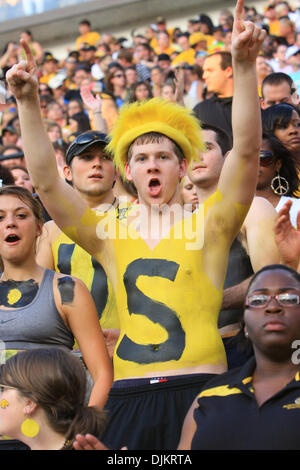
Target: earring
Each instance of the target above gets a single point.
(246, 334)
(280, 185)
(30, 427)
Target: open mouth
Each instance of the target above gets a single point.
(12, 239)
(154, 186)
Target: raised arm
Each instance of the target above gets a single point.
(61, 201)
(237, 183)
(238, 178)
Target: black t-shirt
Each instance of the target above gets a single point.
(215, 111)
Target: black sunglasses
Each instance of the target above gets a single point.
(266, 158)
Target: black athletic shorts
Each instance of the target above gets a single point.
(148, 414)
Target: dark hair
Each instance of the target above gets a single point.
(85, 68)
(133, 97)
(87, 22)
(47, 99)
(277, 116)
(82, 120)
(157, 67)
(130, 67)
(274, 267)
(276, 78)
(12, 147)
(224, 140)
(205, 19)
(109, 75)
(6, 176)
(19, 167)
(56, 381)
(288, 169)
(62, 146)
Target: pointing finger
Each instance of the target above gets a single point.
(29, 55)
(239, 10)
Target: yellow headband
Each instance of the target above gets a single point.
(155, 115)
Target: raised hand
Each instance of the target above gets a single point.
(247, 37)
(179, 85)
(287, 237)
(92, 103)
(22, 78)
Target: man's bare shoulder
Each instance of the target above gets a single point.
(51, 230)
(259, 208)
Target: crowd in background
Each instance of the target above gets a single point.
(123, 71)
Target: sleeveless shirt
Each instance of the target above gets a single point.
(38, 324)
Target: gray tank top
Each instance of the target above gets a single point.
(38, 324)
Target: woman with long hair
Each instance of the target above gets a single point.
(42, 397)
(79, 123)
(283, 120)
(140, 91)
(115, 85)
(39, 307)
(278, 178)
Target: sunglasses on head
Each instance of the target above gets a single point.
(88, 137)
(266, 158)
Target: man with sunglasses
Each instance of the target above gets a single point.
(91, 172)
(249, 251)
(168, 292)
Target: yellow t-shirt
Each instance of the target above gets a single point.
(91, 38)
(46, 78)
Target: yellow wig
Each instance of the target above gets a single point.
(155, 115)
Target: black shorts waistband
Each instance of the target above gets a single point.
(159, 383)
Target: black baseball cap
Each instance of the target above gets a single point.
(83, 142)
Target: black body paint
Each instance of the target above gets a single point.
(24, 291)
(66, 288)
(99, 288)
(157, 312)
